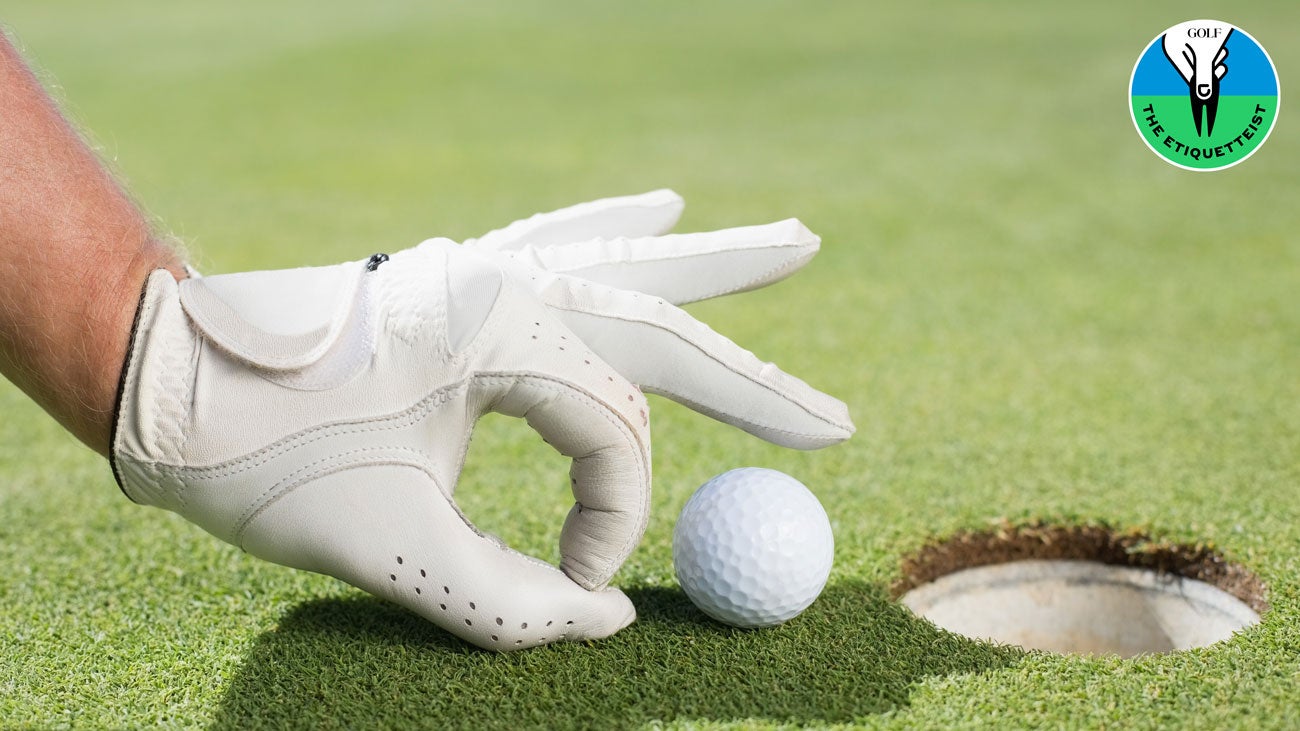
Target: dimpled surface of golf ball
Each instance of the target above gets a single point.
(753, 547)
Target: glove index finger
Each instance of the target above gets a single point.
(647, 214)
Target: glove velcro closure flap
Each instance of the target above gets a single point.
(276, 320)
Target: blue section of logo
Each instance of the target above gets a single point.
(1155, 76)
(1249, 71)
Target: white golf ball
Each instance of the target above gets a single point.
(753, 547)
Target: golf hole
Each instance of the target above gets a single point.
(1080, 589)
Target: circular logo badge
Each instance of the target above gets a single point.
(1204, 95)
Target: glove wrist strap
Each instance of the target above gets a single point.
(127, 437)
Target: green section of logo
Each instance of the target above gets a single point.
(1167, 125)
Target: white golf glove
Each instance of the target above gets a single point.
(319, 417)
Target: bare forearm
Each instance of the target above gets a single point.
(74, 253)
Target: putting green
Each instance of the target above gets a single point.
(1030, 316)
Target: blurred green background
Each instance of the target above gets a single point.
(1030, 315)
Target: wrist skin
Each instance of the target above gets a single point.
(75, 251)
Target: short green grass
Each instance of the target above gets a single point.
(1030, 315)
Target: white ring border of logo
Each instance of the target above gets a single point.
(1142, 133)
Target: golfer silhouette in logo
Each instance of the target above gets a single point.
(1199, 60)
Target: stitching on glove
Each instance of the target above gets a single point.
(673, 331)
(733, 418)
(185, 405)
(418, 463)
(708, 294)
(721, 249)
(463, 452)
(753, 280)
(397, 420)
(307, 473)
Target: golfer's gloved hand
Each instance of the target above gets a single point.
(319, 417)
